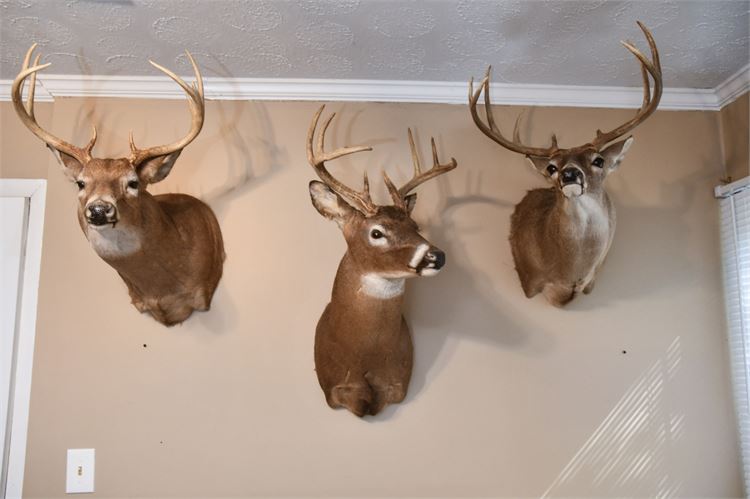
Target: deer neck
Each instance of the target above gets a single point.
(584, 216)
(361, 295)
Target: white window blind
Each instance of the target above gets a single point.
(735, 245)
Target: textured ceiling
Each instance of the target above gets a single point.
(553, 42)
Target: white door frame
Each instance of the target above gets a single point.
(35, 190)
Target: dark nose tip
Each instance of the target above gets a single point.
(100, 213)
(436, 259)
(570, 175)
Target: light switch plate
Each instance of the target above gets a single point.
(80, 471)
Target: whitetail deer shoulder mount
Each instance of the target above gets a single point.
(363, 349)
(167, 248)
(560, 236)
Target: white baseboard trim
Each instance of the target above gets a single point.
(161, 87)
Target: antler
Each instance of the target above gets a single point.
(491, 130)
(650, 103)
(317, 158)
(197, 112)
(26, 112)
(648, 106)
(399, 195)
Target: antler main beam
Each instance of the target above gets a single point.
(197, 105)
(490, 129)
(419, 176)
(26, 111)
(317, 158)
(650, 103)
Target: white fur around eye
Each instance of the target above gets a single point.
(81, 192)
(130, 190)
(377, 241)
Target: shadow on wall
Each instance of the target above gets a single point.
(645, 268)
(253, 158)
(628, 454)
(253, 155)
(480, 314)
(650, 266)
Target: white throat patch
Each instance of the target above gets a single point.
(111, 242)
(382, 288)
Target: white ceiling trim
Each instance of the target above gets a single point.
(158, 87)
(733, 87)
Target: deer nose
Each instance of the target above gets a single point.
(101, 213)
(435, 259)
(571, 175)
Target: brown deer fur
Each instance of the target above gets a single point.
(363, 349)
(559, 242)
(168, 248)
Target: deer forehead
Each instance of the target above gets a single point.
(108, 169)
(577, 158)
(391, 221)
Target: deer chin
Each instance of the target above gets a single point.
(572, 190)
(109, 225)
(109, 242)
(429, 271)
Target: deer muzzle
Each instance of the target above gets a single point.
(571, 181)
(101, 213)
(428, 260)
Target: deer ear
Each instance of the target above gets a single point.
(411, 202)
(329, 204)
(614, 153)
(71, 166)
(538, 163)
(156, 169)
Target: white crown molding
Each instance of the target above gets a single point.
(733, 87)
(40, 94)
(158, 87)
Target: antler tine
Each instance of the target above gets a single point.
(488, 101)
(650, 100)
(646, 88)
(32, 85)
(398, 199)
(196, 103)
(516, 131)
(421, 177)
(25, 110)
(317, 158)
(491, 130)
(414, 155)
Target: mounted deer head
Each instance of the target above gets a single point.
(363, 350)
(560, 236)
(168, 248)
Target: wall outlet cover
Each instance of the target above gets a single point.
(80, 471)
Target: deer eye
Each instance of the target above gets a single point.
(80, 184)
(598, 162)
(376, 234)
(551, 169)
(133, 184)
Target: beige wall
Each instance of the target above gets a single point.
(624, 393)
(20, 153)
(736, 137)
